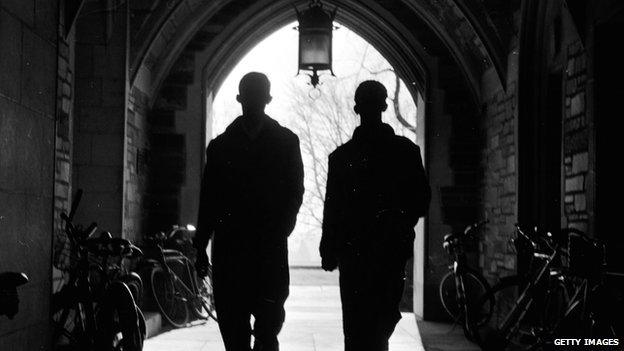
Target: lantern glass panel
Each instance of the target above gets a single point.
(315, 50)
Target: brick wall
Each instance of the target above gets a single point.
(28, 71)
(576, 138)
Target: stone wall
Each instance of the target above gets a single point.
(136, 166)
(28, 71)
(498, 159)
(499, 191)
(63, 148)
(100, 115)
(576, 138)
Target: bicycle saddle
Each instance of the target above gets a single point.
(123, 247)
(156, 238)
(11, 280)
(9, 301)
(451, 238)
(106, 245)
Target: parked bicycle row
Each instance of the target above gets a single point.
(108, 281)
(564, 292)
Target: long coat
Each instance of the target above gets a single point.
(251, 192)
(376, 191)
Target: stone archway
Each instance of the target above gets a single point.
(430, 45)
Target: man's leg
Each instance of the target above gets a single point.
(391, 282)
(358, 305)
(232, 306)
(234, 327)
(272, 290)
(371, 292)
(270, 317)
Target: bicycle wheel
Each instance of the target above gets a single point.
(203, 306)
(122, 338)
(70, 320)
(142, 324)
(118, 320)
(135, 284)
(526, 323)
(475, 288)
(169, 297)
(509, 328)
(69, 329)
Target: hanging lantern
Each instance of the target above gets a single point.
(315, 40)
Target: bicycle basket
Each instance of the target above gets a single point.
(64, 258)
(585, 256)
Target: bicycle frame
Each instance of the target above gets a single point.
(190, 292)
(511, 322)
(459, 267)
(584, 298)
(78, 285)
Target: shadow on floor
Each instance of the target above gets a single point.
(438, 336)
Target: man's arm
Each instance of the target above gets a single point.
(205, 219)
(294, 184)
(331, 219)
(418, 196)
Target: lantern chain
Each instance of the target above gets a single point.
(314, 3)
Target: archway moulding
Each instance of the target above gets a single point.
(401, 46)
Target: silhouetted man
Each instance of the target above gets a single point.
(251, 192)
(376, 191)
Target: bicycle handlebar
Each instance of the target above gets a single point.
(90, 230)
(74, 206)
(538, 238)
(458, 235)
(108, 246)
(475, 226)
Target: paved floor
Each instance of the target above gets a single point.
(313, 322)
(444, 337)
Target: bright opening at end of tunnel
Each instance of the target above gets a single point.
(321, 123)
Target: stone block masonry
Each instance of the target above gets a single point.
(28, 85)
(499, 162)
(136, 167)
(63, 148)
(576, 138)
(499, 188)
(100, 113)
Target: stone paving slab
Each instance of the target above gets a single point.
(313, 323)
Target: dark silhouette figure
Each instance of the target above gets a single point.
(251, 192)
(376, 191)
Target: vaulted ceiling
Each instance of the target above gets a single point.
(474, 35)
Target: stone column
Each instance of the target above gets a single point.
(99, 134)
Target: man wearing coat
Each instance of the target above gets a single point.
(251, 192)
(376, 191)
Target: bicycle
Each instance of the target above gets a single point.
(96, 310)
(589, 312)
(176, 288)
(544, 307)
(462, 286)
